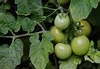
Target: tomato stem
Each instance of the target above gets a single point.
(49, 8)
(55, 60)
(52, 13)
(12, 40)
(22, 35)
(11, 32)
(41, 27)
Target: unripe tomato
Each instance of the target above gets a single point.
(62, 51)
(80, 45)
(62, 21)
(58, 34)
(62, 2)
(86, 29)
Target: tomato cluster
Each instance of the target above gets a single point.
(79, 45)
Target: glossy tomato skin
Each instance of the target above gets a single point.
(62, 21)
(80, 45)
(86, 29)
(62, 2)
(63, 51)
(58, 34)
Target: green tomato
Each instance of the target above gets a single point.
(62, 2)
(80, 45)
(58, 34)
(62, 21)
(62, 51)
(86, 29)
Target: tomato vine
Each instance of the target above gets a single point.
(50, 31)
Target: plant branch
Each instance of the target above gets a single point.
(52, 13)
(47, 3)
(41, 27)
(6, 36)
(22, 35)
(11, 32)
(28, 34)
(13, 39)
(48, 8)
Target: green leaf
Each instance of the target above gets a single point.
(26, 7)
(39, 51)
(70, 63)
(3, 29)
(93, 54)
(22, 7)
(4, 7)
(28, 24)
(11, 56)
(34, 37)
(96, 57)
(11, 23)
(80, 9)
(15, 26)
(38, 18)
(8, 18)
(94, 3)
(7, 21)
(32, 8)
(3, 51)
(48, 36)
(16, 49)
(89, 59)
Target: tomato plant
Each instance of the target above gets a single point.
(62, 21)
(63, 51)
(47, 34)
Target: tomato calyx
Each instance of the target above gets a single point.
(63, 15)
(78, 29)
(78, 32)
(86, 27)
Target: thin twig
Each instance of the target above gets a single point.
(47, 3)
(48, 8)
(52, 13)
